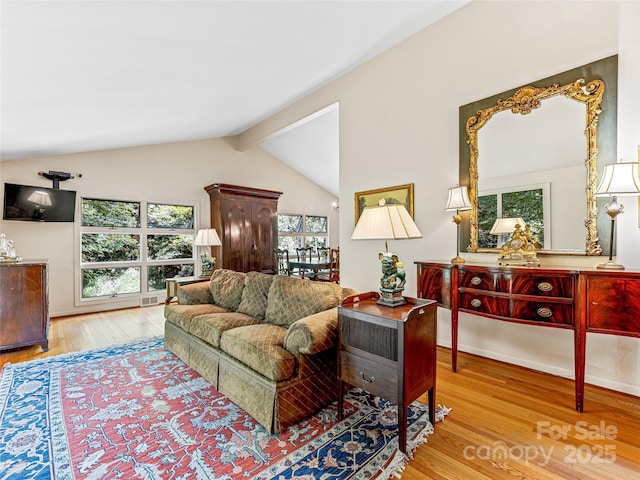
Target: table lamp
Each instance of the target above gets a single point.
(618, 179)
(207, 237)
(387, 222)
(458, 200)
(505, 226)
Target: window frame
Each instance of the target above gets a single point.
(304, 234)
(546, 207)
(133, 298)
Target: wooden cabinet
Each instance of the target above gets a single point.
(24, 304)
(389, 352)
(246, 220)
(584, 300)
(612, 303)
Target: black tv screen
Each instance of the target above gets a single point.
(38, 204)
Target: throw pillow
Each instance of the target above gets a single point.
(226, 288)
(291, 299)
(255, 294)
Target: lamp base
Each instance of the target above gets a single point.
(391, 297)
(457, 260)
(610, 265)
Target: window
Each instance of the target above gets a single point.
(297, 230)
(531, 203)
(132, 247)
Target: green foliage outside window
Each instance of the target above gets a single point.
(103, 282)
(158, 274)
(316, 242)
(166, 247)
(110, 247)
(290, 223)
(110, 213)
(314, 224)
(527, 204)
(487, 214)
(102, 242)
(169, 216)
(290, 243)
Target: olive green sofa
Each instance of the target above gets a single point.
(267, 342)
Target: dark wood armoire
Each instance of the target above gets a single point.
(246, 220)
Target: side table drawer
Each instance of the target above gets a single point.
(371, 376)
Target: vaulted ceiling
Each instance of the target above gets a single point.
(82, 75)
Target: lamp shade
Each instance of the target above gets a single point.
(385, 222)
(207, 237)
(40, 198)
(458, 199)
(506, 225)
(619, 179)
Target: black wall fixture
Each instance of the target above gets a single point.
(56, 177)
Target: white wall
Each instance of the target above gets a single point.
(173, 173)
(399, 124)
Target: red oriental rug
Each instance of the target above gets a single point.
(138, 412)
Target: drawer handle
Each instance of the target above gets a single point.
(476, 281)
(545, 312)
(545, 287)
(476, 303)
(370, 380)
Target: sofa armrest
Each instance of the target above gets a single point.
(195, 294)
(313, 334)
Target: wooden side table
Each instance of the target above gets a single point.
(389, 352)
(174, 283)
(24, 304)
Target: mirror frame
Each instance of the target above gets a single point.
(594, 85)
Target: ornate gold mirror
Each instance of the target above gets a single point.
(552, 137)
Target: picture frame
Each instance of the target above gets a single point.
(399, 194)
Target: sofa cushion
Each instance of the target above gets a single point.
(226, 288)
(181, 315)
(260, 347)
(195, 293)
(255, 294)
(291, 299)
(210, 327)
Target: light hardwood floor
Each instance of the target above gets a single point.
(507, 422)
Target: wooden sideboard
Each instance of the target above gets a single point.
(24, 304)
(583, 300)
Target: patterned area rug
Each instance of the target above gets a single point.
(138, 412)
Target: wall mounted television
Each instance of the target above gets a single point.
(38, 204)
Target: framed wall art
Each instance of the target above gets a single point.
(399, 194)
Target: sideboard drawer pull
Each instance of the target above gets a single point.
(476, 303)
(545, 312)
(476, 281)
(545, 287)
(370, 380)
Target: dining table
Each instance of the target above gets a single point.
(312, 264)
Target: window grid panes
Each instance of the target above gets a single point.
(132, 247)
(299, 230)
(527, 204)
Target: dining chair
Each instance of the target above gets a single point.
(282, 261)
(303, 254)
(333, 274)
